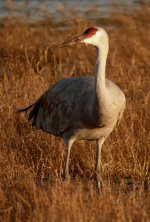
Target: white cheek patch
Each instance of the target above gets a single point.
(89, 40)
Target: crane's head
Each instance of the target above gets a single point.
(94, 36)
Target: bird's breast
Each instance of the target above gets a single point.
(92, 134)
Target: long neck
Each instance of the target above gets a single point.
(100, 73)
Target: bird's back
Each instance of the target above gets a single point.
(55, 110)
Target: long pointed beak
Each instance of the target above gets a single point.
(76, 40)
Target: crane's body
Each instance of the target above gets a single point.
(81, 108)
(65, 112)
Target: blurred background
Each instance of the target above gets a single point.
(36, 9)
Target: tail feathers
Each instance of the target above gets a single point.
(25, 109)
(34, 112)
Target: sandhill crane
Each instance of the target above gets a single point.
(81, 108)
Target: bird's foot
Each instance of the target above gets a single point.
(67, 177)
(98, 185)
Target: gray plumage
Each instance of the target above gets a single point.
(81, 108)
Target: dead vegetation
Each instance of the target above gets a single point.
(31, 162)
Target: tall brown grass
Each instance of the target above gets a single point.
(31, 162)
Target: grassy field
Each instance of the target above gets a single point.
(31, 162)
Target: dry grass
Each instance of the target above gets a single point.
(31, 162)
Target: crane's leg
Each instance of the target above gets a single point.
(68, 148)
(98, 162)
